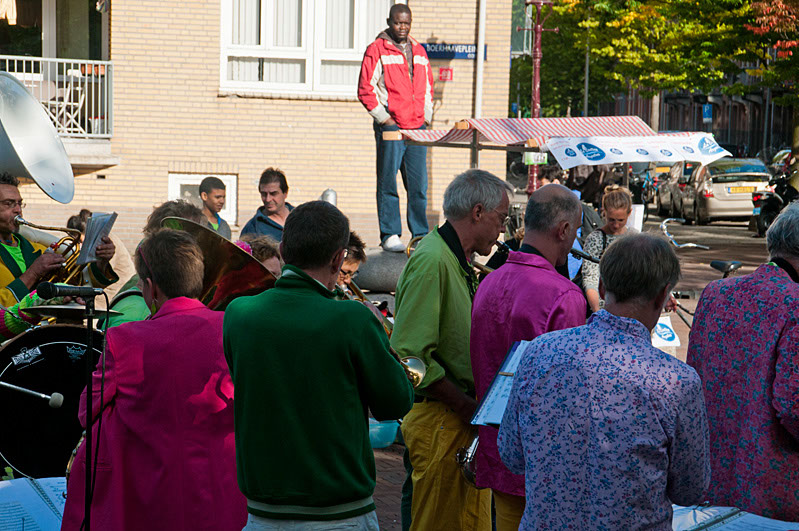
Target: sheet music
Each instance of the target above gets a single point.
(14, 517)
(698, 518)
(32, 504)
(492, 408)
(98, 226)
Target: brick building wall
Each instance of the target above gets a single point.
(171, 117)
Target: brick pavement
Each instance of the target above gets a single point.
(390, 475)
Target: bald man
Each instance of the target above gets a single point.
(521, 300)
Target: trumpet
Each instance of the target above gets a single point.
(413, 366)
(68, 246)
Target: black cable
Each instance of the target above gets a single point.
(89, 423)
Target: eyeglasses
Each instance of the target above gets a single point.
(505, 219)
(348, 274)
(10, 203)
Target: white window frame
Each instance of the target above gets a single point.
(312, 50)
(228, 213)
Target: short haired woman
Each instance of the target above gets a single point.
(166, 453)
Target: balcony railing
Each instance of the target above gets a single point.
(76, 94)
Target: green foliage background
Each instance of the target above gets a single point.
(651, 45)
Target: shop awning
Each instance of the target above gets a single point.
(532, 132)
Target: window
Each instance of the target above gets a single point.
(297, 46)
(187, 186)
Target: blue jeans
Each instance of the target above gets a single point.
(411, 161)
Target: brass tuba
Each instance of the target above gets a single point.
(68, 246)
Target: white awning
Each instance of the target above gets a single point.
(593, 150)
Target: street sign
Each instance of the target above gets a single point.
(442, 50)
(707, 113)
(535, 158)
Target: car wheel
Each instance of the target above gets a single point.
(699, 219)
(764, 221)
(683, 216)
(659, 206)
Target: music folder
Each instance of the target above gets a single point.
(492, 406)
(98, 226)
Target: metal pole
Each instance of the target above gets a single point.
(481, 42)
(587, 70)
(535, 103)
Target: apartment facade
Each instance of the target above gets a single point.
(192, 88)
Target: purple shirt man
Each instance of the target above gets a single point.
(608, 430)
(521, 300)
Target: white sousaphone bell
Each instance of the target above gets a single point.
(30, 148)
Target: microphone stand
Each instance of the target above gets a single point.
(89, 315)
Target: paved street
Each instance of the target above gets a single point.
(727, 241)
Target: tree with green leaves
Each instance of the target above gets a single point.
(562, 66)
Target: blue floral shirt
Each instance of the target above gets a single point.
(608, 430)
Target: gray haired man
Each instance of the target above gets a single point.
(608, 430)
(745, 345)
(433, 321)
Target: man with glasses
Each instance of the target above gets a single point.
(433, 321)
(25, 263)
(355, 257)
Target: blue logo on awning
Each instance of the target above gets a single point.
(708, 146)
(688, 149)
(615, 151)
(570, 152)
(642, 151)
(664, 332)
(666, 152)
(590, 151)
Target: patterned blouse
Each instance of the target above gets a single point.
(594, 246)
(745, 346)
(608, 430)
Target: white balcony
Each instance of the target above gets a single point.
(78, 97)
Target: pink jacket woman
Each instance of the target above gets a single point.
(166, 445)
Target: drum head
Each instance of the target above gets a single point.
(37, 439)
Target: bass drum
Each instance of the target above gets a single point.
(37, 440)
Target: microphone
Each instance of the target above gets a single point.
(55, 400)
(48, 290)
(585, 256)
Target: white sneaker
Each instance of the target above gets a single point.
(393, 244)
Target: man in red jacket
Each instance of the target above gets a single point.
(396, 87)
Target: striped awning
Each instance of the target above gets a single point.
(530, 131)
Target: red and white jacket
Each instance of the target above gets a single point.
(385, 87)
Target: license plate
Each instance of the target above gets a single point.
(756, 211)
(741, 189)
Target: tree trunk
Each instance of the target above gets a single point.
(654, 114)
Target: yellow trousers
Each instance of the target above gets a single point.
(442, 498)
(509, 510)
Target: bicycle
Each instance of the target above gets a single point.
(725, 267)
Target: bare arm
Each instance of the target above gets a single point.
(445, 391)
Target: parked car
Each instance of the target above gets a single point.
(723, 190)
(667, 198)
